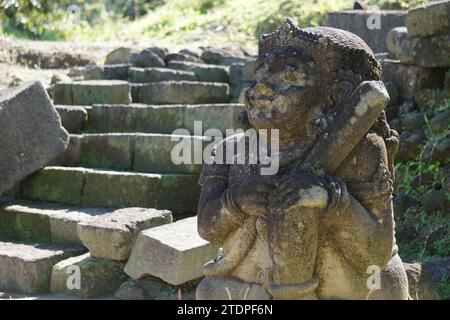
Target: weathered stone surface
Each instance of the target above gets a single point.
(120, 55)
(399, 45)
(421, 286)
(147, 58)
(430, 52)
(31, 132)
(189, 92)
(128, 189)
(429, 20)
(242, 72)
(27, 268)
(153, 153)
(358, 22)
(203, 72)
(223, 56)
(161, 119)
(111, 118)
(108, 151)
(73, 118)
(112, 235)
(181, 57)
(159, 51)
(55, 184)
(174, 252)
(92, 92)
(404, 76)
(100, 91)
(71, 156)
(99, 277)
(131, 290)
(107, 72)
(145, 75)
(212, 116)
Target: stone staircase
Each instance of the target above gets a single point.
(116, 179)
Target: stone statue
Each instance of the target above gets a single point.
(323, 226)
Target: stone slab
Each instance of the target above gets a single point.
(357, 22)
(31, 132)
(146, 75)
(98, 277)
(112, 235)
(174, 253)
(429, 20)
(183, 92)
(203, 71)
(27, 268)
(73, 118)
(89, 92)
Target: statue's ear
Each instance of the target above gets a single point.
(345, 84)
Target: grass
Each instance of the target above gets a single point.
(425, 236)
(189, 21)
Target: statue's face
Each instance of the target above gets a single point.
(285, 91)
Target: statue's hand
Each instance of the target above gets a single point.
(252, 196)
(305, 189)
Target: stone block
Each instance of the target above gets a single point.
(174, 253)
(242, 72)
(71, 156)
(429, 20)
(100, 92)
(108, 150)
(183, 92)
(73, 118)
(120, 55)
(161, 119)
(362, 23)
(99, 277)
(55, 184)
(112, 235)
(153, 153)
(219, 116)
(31, 132)
(146, 75)
(27, 268)
(111, 118)
(203, 72)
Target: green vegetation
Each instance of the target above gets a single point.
(424, 236)
(166, 21)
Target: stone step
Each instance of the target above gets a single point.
(203, 71)
(40, 222)
(146, 75)
(106, 72)
(149, 118)
(180, 92)
(90, 92)
(97, 277)
(174, 253)
(141, 152)
(27, 268)
(78, 186)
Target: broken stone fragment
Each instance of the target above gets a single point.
(31, 132)
(112, 235)
(174, 253)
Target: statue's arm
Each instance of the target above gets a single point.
(361, 222)
(363, 234)
(215, 221)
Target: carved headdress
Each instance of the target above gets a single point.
(333, 49)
